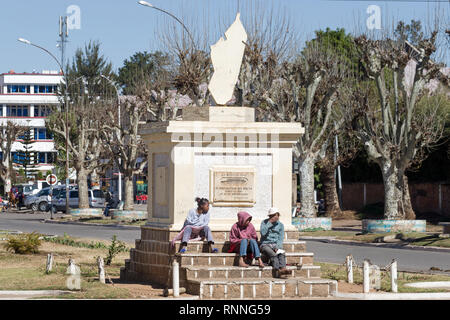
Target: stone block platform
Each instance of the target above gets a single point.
(217, 276)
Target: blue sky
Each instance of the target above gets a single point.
(124, 27)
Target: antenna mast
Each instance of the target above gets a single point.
(63, 35)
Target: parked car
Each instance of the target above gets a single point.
(96, 199)
(40, 201)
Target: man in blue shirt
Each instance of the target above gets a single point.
(272, 237)
(198, 219)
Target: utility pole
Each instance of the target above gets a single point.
(63, 35)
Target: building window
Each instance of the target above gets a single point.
(42, 134)
(51, 157)
(45, 89)
(42, 111)
(41, 157)
(17, 111)
(14, 88)
(17, 157)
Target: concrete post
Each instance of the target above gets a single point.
(176, 279)
(101, 269)
(366, 276)
(394, 287)
(49, 263)
(349, 263)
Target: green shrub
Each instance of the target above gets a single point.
(116, 247)
(24, 243)
(68, 241)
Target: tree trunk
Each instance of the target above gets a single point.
(397, 201)
(407, 206)
(306, 170)
(328, 177)
(391, 191)
(129, 193)
(8, 184)
(82, 189)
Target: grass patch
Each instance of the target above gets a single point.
(69, 241)
(105, 221)
(339, 273)
(27, 272)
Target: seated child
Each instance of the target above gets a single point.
(243, 238)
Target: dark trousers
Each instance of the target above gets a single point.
(278, 261)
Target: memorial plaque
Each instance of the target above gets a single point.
(233, 186)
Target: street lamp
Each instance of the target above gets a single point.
(28, 42)
(149, 5)
(119, 187)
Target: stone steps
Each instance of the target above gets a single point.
(256, 288)
(232, 259)
(149, 233)
(231, 273)
(224, 246)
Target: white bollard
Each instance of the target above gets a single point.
(349, 263)
(176, 279)
(49, 263)
(101, 270)
(366, 276)
(394, 287)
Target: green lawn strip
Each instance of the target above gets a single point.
(35, 279)
(105, 221)
(338, 272)
(415, 238)
(69, 241)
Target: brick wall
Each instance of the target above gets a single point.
(425, 197)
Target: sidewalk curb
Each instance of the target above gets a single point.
(333, 240)
(93, 224)
(395, 296)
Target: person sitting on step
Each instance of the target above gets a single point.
(197, 221)
(243, 238)
(272, 236)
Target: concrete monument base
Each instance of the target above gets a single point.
(385, 226)
(312, 224)
(127, 214)
(224, 156)
(91, 212)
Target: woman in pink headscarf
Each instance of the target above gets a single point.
(243, 238)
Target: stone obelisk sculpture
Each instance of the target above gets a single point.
(226, 57)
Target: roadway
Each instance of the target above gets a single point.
(408, 260)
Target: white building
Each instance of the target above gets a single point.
(25, 98)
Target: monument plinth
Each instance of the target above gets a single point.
(225, 156)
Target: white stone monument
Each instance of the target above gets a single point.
(220, 153)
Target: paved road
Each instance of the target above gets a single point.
(409, 260)
(34, 222)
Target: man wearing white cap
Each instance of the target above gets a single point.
(272, 237)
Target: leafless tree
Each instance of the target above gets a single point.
(340, 154)
(404, 119)
(8, 135)
(306, 91)
(151, 102)
(84, 138)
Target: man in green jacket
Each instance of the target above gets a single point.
(272, 236)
